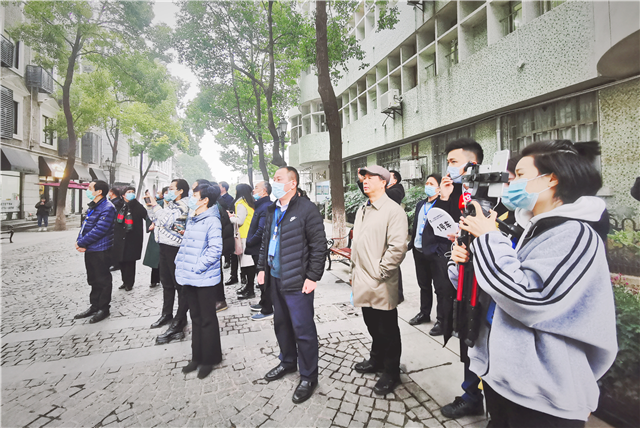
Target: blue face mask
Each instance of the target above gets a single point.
(190, 192)
(193, 203)
(278, 189)
(516, 195)
(430, 190)
(454, 173)
(256, 197)
(89, 194)
(129, 196)
(170, 196)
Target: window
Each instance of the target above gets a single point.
(16, 116)
(547, 5)
(439, 144)
(389, 159)
(8, 111)
(16, 55)
(572, 119)
(514, 19)
(355, 164)
(47, 132)
(452, 56)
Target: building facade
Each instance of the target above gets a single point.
(505, 73)
(33, 158)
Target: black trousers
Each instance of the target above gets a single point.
(265, 294)
(295, 330)
(220, 290)
(169, 284)
(99, 278)
(505, 413)
(386, 347)
(128, 272)
(205, 330)
(234, 267)
(155, 275)
(432, 268)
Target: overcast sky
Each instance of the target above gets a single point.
(165, 11)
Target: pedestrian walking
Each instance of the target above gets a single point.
(291, 261)
(553, 331)
(261, 194)
(226, 200)
(43, 209)
(129, 237)
(430, 261)
(244, 209)
(379, 245)
(170, 221)
(95, 241)
(198, 271)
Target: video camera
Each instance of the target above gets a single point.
(486, 182)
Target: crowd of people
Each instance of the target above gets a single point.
(536, 333)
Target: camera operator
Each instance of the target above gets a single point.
(459, 153)
(553, 333)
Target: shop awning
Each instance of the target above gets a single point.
(72, 185)
(50, 167)
(98, 174)
(18, 160)
(81, 172)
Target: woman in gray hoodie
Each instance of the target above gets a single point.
(553, 333)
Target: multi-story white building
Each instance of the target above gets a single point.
(33, 158)
(505, 73)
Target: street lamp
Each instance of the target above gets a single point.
(111, 166)
(282, 132)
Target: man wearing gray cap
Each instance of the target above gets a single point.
(379, 246)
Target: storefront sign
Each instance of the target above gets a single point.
(10, 206)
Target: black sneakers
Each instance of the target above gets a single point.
(460, 408)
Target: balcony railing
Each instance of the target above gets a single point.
(40, 78)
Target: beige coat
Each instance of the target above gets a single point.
(378, 247)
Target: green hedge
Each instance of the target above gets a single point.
(620, 386)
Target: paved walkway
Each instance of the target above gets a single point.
(57, 371)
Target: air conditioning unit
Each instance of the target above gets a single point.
(411, 170)
(390, 100)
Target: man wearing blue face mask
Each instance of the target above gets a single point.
(129, 237)
(291, 261)
(430, 261)
(95, 241)
(459, 153)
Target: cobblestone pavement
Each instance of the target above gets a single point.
(57, 371)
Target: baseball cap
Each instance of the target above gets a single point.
(376, 170)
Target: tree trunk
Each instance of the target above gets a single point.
(250, 164)
(114, 155)
(332, 115)
(143, 174)
(261, 161)
(277, 159)
(61, 219)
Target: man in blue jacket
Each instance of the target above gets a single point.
(95, 241)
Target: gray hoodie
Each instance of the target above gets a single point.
(554, 329)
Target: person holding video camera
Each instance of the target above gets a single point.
(459, 153)
(553, 332)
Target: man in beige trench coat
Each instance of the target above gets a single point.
(379, 246)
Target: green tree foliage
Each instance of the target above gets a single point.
(192, 168)
(247, 50)
(64, 33)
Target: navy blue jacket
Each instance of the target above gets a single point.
(303, 244)
(256, 229)
(430, 242)
(96, 233)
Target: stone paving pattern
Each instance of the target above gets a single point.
(44, 285)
